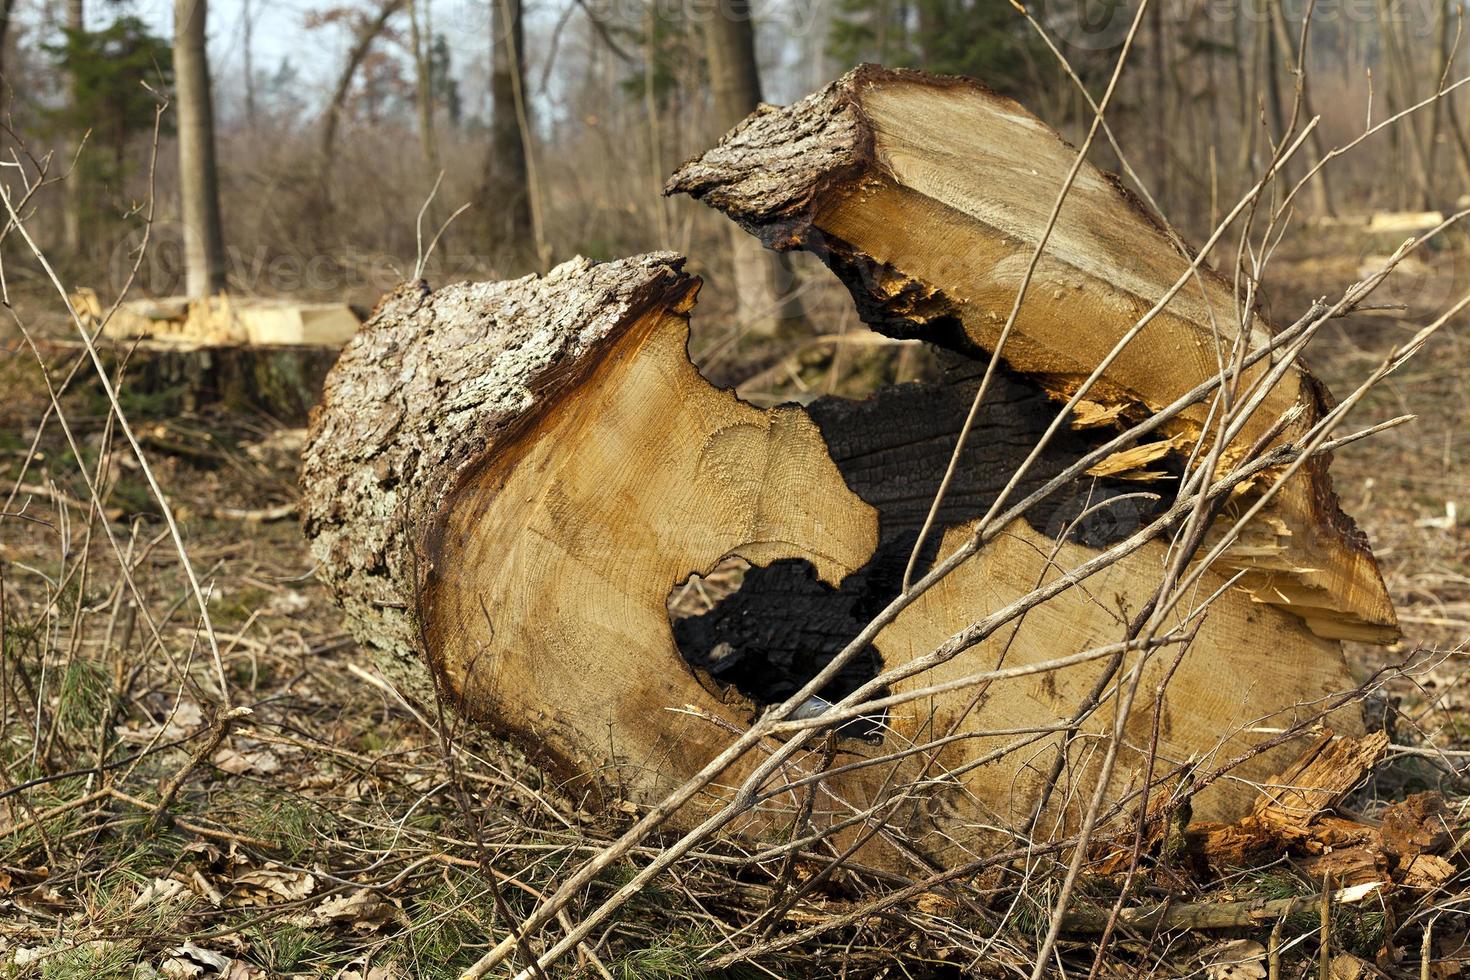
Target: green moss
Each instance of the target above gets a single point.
(237, 605)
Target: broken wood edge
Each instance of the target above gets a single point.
(1407, 845)
(782, 169)
(1290, 803)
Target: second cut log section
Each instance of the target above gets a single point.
(927, 196)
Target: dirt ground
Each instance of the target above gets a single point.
(337, 830)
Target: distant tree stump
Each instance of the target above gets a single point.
(281, 382)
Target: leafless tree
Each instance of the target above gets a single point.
(362, 43)
(204, 248)
(421, 39)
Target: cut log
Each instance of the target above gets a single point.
(510, 481)
(927, 195)
(225, 320)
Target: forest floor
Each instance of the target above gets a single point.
(337, 830)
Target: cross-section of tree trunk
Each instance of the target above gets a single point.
(927, 195)
(510, 481)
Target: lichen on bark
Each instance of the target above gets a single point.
(425, 387)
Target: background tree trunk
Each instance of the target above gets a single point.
(74, 204)
(508, 183)
(6, 6)
(247, 19)
(764, 281)
(1320, 187)
(1162, 132)
(423, 89)
(204, 247)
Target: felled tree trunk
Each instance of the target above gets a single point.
(509, 482)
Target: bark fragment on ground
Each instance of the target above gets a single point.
(1408, 844)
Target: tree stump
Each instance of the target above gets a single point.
(283, 382)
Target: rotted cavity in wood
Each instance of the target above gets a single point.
(781, 624)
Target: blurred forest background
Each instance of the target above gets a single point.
(560, 119)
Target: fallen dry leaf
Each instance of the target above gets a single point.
(364, 910)
(26, 955)
(176, 721)
(205, 889)
(158, 892)
(360, 969)
(243, 758)
(1240, 959)
(288, 603)
(190, 960)
(1346, 966)
(932, 904)
(289, 886)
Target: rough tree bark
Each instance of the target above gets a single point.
(763, 281)
(510, 481)
(204, 247)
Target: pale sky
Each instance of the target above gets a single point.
(280, 32)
